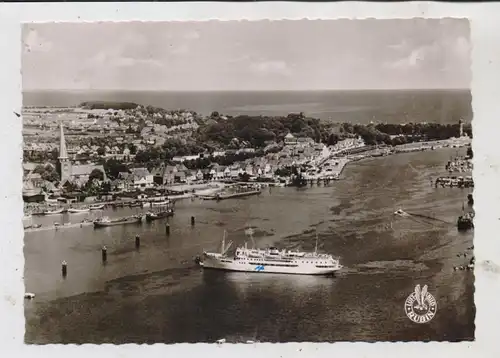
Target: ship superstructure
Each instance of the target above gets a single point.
(271, 260)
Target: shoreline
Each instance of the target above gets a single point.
(211, 188)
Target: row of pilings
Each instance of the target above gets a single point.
(104, 249)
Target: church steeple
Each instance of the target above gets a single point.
(63, 152)
(64, 163)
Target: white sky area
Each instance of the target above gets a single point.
(248, 55)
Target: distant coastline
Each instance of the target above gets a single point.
(355, 106)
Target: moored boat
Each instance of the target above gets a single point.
(54, 212)
(160, 203)
(96, 207)
(78, 211)
(150, 216)
(105, 221)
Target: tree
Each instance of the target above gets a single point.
(70, 187)
(54, 154)
(101, 151)
(244, 177)
(133, 148)
(47, 172)
(96, 174)
(113, 168)
(106, 186)
(39, 169)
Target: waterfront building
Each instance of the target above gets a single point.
(140, 178)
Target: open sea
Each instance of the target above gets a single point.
(157, 295)
(391, 106)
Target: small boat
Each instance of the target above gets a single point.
(29, 295)
(105, 221)
(159, 215)
(78, 211)
(58, 225)
(136, 205)
(53, 212)
(400, 212)
(161, 203)
(465, 222)
(96, 207)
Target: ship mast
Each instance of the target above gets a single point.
(223, 243)
(249, 232)
(316, 247)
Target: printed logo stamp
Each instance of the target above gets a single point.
(420, 306)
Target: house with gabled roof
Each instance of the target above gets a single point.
(140, 178)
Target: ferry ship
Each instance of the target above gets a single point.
(271, 260)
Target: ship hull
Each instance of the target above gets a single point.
(241, 266)
(58, 212)
(98, 224)
(36, 198)
(152, 217)
(78, 211)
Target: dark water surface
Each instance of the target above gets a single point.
(156, 294)
(394, 106)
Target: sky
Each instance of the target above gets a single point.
(248, 55)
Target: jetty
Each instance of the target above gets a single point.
(224, 196)
(237, 195)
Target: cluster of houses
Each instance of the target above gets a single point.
(293, 153)
(119, 126)
(166, 175)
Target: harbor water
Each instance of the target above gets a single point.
(156, 294)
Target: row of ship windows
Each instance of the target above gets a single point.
(262, 262)
(283, 265)
(268, 264)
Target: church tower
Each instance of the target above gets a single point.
(64, 163)
(461, 126)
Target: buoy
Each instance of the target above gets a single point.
(192, 220)
(137, 241)
(167, 229)
(64, 268)
(104, 252)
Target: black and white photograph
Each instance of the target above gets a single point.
(248, 181)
